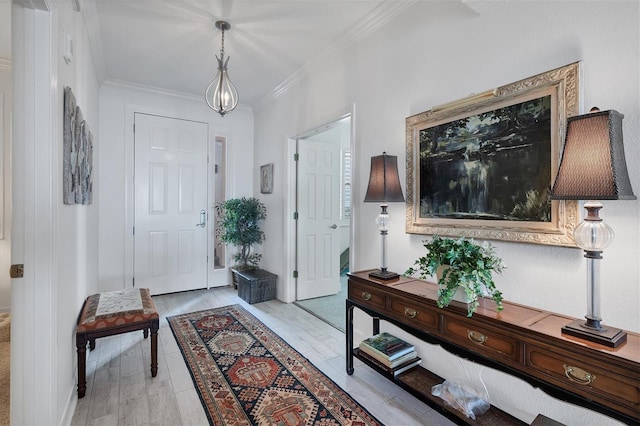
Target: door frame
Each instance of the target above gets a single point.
(129, 189)
(35, 143)
(290, 261)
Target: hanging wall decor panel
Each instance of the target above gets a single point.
(78, 154)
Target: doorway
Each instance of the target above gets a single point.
(324, 220)
(170, 228)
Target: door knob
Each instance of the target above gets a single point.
(203, 218)
(334, 226)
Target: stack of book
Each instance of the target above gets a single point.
(389, 353)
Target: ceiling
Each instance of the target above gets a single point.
(272, 44)
(171, 44)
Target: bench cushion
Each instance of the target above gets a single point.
(116, 308)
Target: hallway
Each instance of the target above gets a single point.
(121, 391)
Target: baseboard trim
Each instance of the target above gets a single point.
(72, 402)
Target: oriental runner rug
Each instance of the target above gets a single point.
(246, 374)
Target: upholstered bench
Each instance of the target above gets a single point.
(111, 313)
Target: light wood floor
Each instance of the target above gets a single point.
(121, 391)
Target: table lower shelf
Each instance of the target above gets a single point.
(418, 381)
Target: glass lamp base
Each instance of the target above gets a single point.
(608, 336)
(383, 274)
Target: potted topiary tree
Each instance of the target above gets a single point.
(238, 224)
(460, 265)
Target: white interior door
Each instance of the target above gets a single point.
(170, 233)
(318, 220)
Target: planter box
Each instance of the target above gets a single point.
(256, 285)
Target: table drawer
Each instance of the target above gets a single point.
(413, 314)
(582, 376)
(367, 296)
(479, 338)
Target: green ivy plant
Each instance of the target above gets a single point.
(238, 224)
(460, 263)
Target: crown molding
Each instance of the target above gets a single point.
(5, 64)
(122, 84)
(46, 5)
(481, 6)
(128, 85)
(383, 13)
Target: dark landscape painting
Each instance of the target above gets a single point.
(494, 165)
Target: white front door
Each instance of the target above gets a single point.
(319, 216)
(170, 233)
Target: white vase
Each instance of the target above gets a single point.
(440, 271)
(461, 296)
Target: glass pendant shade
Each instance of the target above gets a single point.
(221, 95)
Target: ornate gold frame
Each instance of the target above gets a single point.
(563, 84)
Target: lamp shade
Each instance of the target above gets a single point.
(384, 182)
(593, 165)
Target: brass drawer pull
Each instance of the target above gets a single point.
(578, 375)
(411, 313)
(477, 337)
(366, 295)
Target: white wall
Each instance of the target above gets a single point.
(6, 91)
(57, 243)
(436, 52)
(77, 225)
(6, 100)
(117, 101)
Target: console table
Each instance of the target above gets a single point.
(520, 340)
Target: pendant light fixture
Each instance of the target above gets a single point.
(221, 95)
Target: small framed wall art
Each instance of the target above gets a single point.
(266, 178)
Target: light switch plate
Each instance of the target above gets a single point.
(67, 47)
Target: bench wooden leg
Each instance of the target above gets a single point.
(154, 346)
(81, 349)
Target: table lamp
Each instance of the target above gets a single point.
(384, 187)
(593, 167)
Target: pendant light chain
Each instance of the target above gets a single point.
(222, 48)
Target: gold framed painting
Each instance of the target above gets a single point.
(483, 166)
